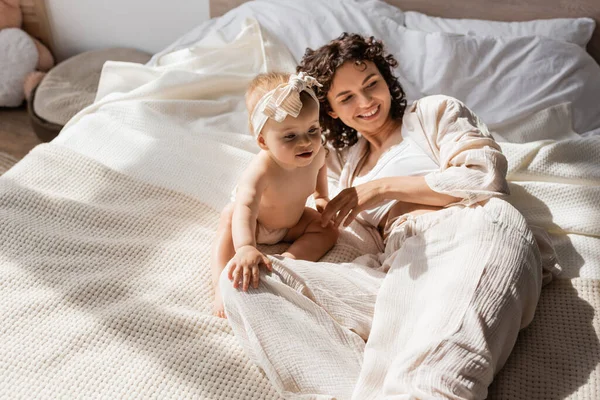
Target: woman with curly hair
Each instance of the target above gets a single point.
(460, 272)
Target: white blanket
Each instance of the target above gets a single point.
(104, 278)
(556, 186)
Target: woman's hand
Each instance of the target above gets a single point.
(350, 202)
(321, 203)
(244, 267)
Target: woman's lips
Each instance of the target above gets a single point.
(372, 114)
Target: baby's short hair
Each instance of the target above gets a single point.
(261, 85)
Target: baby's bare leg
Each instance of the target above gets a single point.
(222, 251)
(310, 240)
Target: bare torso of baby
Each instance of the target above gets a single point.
(284, 199)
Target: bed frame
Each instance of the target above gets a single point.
(497, 10)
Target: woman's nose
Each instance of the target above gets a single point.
(365, 99)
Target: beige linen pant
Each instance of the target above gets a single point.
(441, 309)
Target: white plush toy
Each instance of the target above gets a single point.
(22, 57)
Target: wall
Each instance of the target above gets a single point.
(148, 25)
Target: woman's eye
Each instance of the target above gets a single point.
(372, 84)
(345, 99)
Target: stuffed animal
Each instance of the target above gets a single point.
(23, 59)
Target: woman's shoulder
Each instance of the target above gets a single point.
(436, 103)
(436, 116)
(440, 110)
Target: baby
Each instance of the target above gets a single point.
(271, 195)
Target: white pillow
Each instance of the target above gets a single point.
(300, 24)
(572, 30)
(501, 78)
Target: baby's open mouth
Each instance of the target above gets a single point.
(306, 154)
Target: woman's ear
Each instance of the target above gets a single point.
(260, 139)
(332, 114)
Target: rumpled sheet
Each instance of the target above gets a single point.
(104, 278)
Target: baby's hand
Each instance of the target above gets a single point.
(244, 267)
(321, 203)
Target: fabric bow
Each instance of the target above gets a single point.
(284, 100)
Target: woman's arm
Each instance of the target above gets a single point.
(409, 189)
(412, 189)
(472, 166)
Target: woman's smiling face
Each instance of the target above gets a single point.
(360, 97)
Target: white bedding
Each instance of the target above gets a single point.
(498, 87)
(161, 133)
(573, 30)
(110, 325)
(171, 140)
(501, 78)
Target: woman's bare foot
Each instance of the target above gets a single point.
(218, 308)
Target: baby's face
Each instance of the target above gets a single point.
(294, 142)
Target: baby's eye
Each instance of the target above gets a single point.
(314, 131)
(290, 136)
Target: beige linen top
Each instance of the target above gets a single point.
(471, 164)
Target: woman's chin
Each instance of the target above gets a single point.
(366, 126)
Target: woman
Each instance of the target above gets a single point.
(463, 270)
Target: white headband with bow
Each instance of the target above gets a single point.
(282, 101)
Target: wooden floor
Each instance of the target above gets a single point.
(16, 134)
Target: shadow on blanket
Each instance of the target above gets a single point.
(537, 213)
(558, 353)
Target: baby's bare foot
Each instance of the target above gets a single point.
(218, 308)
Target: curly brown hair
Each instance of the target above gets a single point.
(324, 62)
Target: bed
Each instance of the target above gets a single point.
(105, 231)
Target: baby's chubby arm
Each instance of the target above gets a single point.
(245, 210)
(321, 194)
(247, 259)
